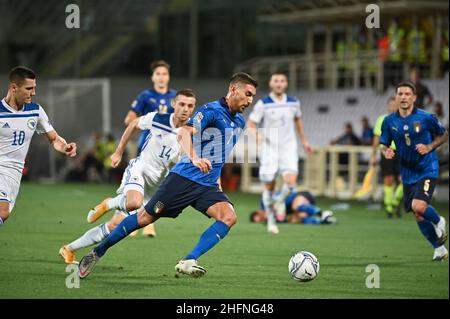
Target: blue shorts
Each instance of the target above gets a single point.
(176, 193)
(422, 190)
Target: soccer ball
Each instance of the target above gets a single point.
(303, 266)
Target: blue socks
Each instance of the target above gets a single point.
(310, 220)
(431, 215)
(427, 229)
(126, 227)
(209, 239)
(309, 209)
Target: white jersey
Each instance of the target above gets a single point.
(161, 149)
(279, 116)
(16, 130)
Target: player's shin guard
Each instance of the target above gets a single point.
(398, 196)
(127, 226)
(268, 207)
(309, 209)
(209, 239)
(388, 198)
(286, 189)
(91, 237)
(119, 202)
(427, 229)
(431, 215)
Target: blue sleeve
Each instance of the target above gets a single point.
(436, 127)
(139, 104)
(202, 118)
(386, 136)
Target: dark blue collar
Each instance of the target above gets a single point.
(223, 103)
(413, 111)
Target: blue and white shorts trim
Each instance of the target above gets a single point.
(9, 189)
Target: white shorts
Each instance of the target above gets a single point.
(9, 189)
(134, 178)
(282, 161)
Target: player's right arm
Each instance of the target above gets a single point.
(143, 122)
(184, 137)
(386, 140)
(131, 116)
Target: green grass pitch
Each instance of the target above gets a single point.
(248, 263)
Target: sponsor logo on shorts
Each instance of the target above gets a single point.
(158, 207)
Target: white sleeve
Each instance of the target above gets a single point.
(298, 110)
(43, 125)
(258, 112)
(146, 121)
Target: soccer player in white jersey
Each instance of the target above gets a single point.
(278, 113)
(144, 174)
(20, 118)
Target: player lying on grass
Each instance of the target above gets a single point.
(298, 208)
(417, 134)
(144, 174)
(20, 118)
(207, 141)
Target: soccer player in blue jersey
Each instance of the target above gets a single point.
(207, 141)
(157, 99)
(417, 134)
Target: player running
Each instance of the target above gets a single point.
(144, 174)
(20, 118)
(279, 153)
(417, 134)
(390, 168)
(157, 99)
(207, 141)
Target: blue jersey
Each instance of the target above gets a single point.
(420, 127)
(217, 131)
(151, 101)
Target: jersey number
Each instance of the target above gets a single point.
(426, 185)
(165, 153)
(18, 138)
(407, 139)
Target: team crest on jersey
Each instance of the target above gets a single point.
(417, 127)
(199, 117)
(31, 124)
(158, 207)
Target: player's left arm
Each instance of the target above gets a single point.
(440, 136)
(60, 144)
(301, 133)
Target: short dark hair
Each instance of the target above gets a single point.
(252, 216)
(407, 84)
(391, 99)
(241, 77)
(186, 92)
(157, 64)
(18, 75)
(278, 72)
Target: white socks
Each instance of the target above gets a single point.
(286, 190)
(91, 237)
(119, 202)
(268, 203)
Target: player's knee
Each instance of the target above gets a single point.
(134, 203)
(230, 219)
(418, 217)
(144, 218)
(4, 213)
(419, 207)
